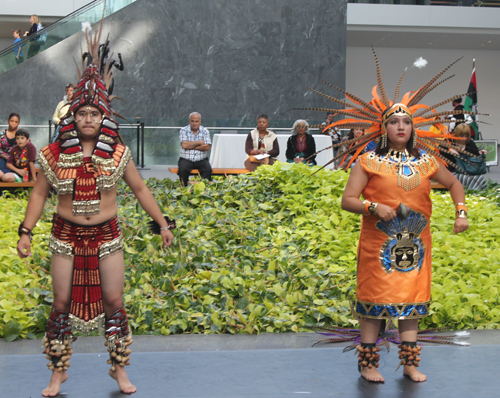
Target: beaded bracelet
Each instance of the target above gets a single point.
(461, 210)
(23, 230)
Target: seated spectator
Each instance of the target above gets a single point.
(354, 133)
(333, 132)
(21, 162)
(18, 48)
(63, 106)
(261, 141)
(8, 140)
(195, 144)
(301, 145)
(472, 165)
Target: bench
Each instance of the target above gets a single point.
(217, 171)
(19, 184)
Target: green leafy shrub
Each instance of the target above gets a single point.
(266, 252)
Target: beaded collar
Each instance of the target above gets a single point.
(407, 168)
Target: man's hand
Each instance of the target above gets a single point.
(24, 246)
(461, 225)
(167, 236)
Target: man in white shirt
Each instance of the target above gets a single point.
(195, 144)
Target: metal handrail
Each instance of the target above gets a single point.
(50, 27)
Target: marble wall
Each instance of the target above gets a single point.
(227, 59)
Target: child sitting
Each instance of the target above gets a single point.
(21, 160)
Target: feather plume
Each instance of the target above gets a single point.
(353, 98)
(415, 99)
(398, 86)
(438, 84)
(341, 112)
(154, 227)
(380, 82)
(86, 26)
(341, 102)
(420, 63)
(424, 111)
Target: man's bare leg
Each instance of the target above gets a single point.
(112, 279)
(408, 331)
(62, 276)
(370, 329)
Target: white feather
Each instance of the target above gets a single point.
(462, 333)
(420, 63)
(461, 343)
(86, 26)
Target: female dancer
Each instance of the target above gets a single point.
(394, 252)
(394, 257)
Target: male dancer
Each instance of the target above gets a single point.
(84, 166)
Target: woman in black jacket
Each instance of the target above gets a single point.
(301, 145)
(34, 43)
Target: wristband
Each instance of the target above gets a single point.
(461, 210)
(369, 208)
(23, 230)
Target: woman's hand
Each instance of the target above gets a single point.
(297, 160)
(461, 225)
(24, 246)
(483, 152)
(385, 212)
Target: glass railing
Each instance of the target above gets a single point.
(459, 3)
(151, 145)
(60, 30)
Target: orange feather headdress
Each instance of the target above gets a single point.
(372, 116)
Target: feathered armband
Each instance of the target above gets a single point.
(155, 228)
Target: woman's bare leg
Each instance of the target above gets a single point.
(62, 279)
(408, 331)
(370, 329)
(112, 270)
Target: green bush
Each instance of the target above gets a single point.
(266, 252)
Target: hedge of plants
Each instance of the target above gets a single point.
(267, 252)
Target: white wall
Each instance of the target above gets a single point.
(40, 7)
(361, 76)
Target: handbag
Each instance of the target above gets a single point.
(471, 165)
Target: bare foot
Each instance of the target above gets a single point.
(124, 384)
(372, 375)
(54, 386)
(414, 374)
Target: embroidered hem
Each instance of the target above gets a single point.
(388, 311)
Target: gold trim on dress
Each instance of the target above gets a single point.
(57, 246)
(109, 248)
(87, 327)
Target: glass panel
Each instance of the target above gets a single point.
(161, 143)
(60, 30)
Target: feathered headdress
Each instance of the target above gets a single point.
(372, 116)
(91, 90)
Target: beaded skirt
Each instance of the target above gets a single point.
(86, 244)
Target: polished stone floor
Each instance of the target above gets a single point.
(267, 366)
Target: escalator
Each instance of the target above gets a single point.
(62, 29)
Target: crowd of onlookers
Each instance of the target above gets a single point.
(18, 154)
(261, 145)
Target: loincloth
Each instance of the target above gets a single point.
(86, 244)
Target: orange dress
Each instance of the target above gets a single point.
(394, 258)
